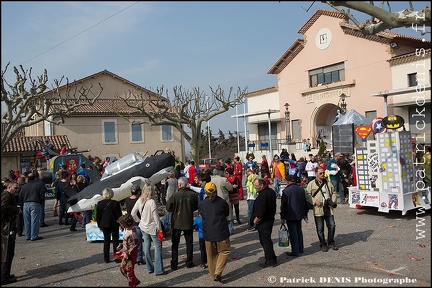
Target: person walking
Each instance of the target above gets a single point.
(322, 196)
(182, 206)
(129, 248)
(263, 217)
(293, 203)
(130, 203)
(150, 225)
(197, 224)
(214, 211)
(32, 195)
(9, 213)
(107, 213)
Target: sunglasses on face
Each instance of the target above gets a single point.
(320, 173)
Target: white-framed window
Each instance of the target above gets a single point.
(327, 75)
(109, 135)
(137, 131)
(167, 134)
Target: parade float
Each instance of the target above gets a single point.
(388, 175)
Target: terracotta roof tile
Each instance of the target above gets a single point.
(317, 14)
(24, 143)
(106, 107)
(410, 57)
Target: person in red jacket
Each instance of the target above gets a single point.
(192, 170)
(238, 172)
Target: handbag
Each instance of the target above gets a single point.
(283, 236)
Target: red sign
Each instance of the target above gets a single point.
(72, 165)
(363, 131)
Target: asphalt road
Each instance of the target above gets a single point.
(376, 249)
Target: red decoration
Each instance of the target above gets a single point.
(363, 131)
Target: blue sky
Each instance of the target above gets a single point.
(193, 44)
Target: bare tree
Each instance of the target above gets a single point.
(188, 107)
(26, 106)
(382, 19)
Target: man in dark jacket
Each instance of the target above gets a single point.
(32, 195)
(263, 216)
(214, 211)
(293, 203)
(182, 204)
(9, 212)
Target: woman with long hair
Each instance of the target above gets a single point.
(151, 226)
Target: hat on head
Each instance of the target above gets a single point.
(210, 188)
(291, 178)
(338, 154)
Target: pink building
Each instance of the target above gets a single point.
(333, 58)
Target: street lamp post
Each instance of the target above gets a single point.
(343, 104)
(287, 123)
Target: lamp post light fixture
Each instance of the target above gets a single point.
(343, 104)
(287, 123)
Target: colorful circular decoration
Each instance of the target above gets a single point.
(393, 122)
(377, 126)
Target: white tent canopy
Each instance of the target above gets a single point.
(352, 117)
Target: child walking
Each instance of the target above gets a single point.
(197, 224)
(129, 249)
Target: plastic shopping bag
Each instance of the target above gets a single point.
(283, 236)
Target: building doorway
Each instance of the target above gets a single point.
(323, 120)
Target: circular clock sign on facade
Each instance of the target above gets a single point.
(323, 38)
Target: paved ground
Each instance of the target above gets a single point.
(375, 249)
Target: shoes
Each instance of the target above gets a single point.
(190, 265)
(161, 274)
(28, 239)
(203, 266)
(217, 278)
(174, 267)
(20, 234)
(250, 229)
(61, 223)
(107, 260)
(142, 262)
(334, 247)
(292, 254)
(44, 225)
(324, 248)
(67, 223)
(73, 229)
(265, 265)
(37, 238)
(136, 283)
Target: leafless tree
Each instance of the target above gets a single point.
(383, 18)
(29, 101)
(189, 108)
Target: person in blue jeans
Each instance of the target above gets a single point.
(197, 224)
(251, 196)
(150, 225)
(130, 203)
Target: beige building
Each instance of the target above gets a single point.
(334, 58)
(108, 128)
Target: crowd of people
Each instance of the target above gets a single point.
(203, 201)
